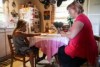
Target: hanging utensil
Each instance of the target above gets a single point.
(13, 4)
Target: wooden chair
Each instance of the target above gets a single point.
(14, 56)
(97, 38)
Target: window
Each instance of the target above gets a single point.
(61, 12)
(2, 24)
(1, 10)
(94, 15)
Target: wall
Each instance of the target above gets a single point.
(94, 15)
(4, 45)
(85, 6)
(41, 9)
(92, 9)
(40, 6)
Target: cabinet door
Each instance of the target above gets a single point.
(2, 44)
(8, 32)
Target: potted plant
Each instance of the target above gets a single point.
(70, 21)
(58, 25)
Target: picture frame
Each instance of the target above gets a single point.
(46, 15)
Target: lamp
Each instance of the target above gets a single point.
(13, 4)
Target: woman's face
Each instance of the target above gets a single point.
(72, 13)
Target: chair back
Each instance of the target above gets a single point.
(11, 44)
(97, 38)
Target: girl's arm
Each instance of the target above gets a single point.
(27, 41)
(30, 35)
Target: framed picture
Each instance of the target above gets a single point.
(46, 15)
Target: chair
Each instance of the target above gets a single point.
(15, 56)
(97, 38)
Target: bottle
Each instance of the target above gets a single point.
(47, 27)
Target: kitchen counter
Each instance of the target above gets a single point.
(6, 30)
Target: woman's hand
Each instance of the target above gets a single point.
(63, 34)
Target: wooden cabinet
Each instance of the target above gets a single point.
(4, 45)
(8, 32)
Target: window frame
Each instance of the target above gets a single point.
(63, 6)
(1, 11)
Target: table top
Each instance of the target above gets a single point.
(54, 37)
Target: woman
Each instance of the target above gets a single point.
(21, 42)
(82, 46)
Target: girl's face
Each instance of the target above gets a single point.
(23, 28)
(72, 13)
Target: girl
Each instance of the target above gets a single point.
(21, 42)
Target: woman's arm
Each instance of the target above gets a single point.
(75, 29)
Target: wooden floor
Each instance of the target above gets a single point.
(19, 64)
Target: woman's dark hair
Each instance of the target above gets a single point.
(20, 24)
